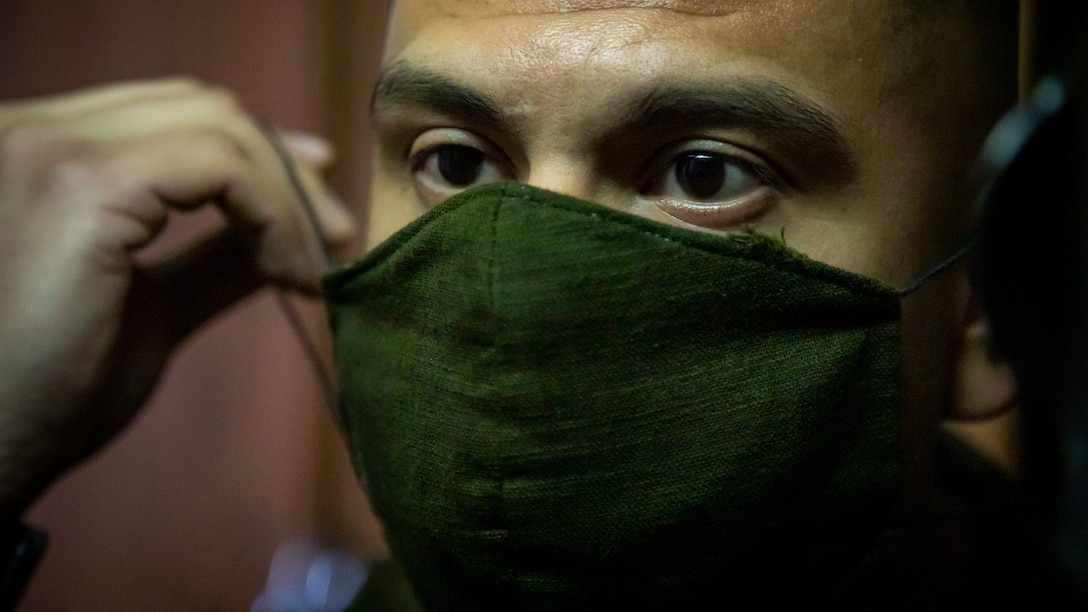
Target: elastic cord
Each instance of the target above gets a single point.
(291, 170)
(294, 320)
(936, 270)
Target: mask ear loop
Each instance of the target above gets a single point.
(1002, 146)
(291, 170)
(290, 312)
(938, 269)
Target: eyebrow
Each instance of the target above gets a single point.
(787, 118)
(790, 121)
(403, 84)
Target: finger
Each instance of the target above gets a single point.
(137, 116)
(308, 148)
(186, 150)
(332, 221)
(136, 110)
(339, 223)
(212, 109)
(94, 99)
(336, 224)
(258, 199)
(127, 189)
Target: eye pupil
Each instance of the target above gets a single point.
(700, 174)
(460, 166)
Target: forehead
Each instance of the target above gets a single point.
(412, 12)
(699, 7)
(587, 46)
(550, 31)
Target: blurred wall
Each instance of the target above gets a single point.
(236, 452)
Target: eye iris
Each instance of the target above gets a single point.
(460, 166)
(700, 174)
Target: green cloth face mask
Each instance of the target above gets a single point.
(556, 405)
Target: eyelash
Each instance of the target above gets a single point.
(662, 162)
(758, 180)
(433, 194)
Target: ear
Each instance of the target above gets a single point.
(983, 384)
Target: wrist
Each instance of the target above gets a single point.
(23, 476)
(21, 548)
(27, 466)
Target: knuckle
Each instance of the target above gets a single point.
(30, 143)
(76, 169)
(163, 88)
(25, 137)
(49, 159)
(222, 101)
(223, 147)
(212, 102)
(183, 83)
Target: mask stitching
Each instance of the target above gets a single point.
(756, 246)
(786, 259)
(497, 471)
(794, 257)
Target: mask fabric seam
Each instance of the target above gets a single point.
(796, 263)
(502, 520)
(786, 259)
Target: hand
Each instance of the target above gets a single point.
(86, 181)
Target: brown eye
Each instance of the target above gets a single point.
(458, 165)
(447, 161)
(454, 168)
(710, 184)
(701, 175)
(706, 176)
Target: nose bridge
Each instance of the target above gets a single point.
(566, 174)
(564, 107)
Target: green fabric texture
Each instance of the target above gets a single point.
(555, 404)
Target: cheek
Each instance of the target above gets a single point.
(933, 320)
(912, 200)
(393, 205)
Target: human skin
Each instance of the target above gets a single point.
(87, 180)
(907, 97)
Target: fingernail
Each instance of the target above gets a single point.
(310, 147)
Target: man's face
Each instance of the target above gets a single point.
(847, 126)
